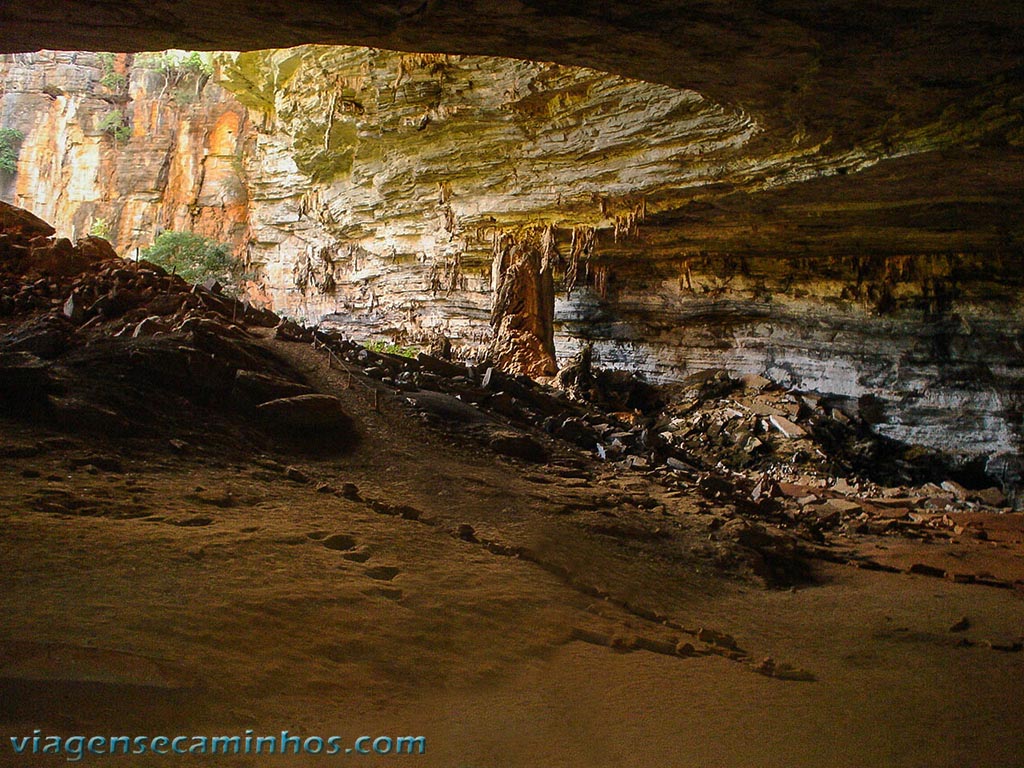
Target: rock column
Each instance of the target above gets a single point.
(523, 311)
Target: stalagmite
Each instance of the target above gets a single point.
(524, 308)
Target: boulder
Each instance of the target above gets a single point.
(755, 382)
(307, 420)
(575, 431)
(289, 330)
(440, 367)
(165, 304)
(992, 497)
(787, 427)
(259, 316)
(114, 303)
(253, 388)
(149, 266)
(518, 446)
(19, 220)
(45, 337)
(213, 285)
(74, 309)
(95, 249)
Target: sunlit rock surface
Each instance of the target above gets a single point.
(176, 166)
(369, 187)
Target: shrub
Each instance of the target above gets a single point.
(110, 78)
(195, 258)
(115, 81)
(100, 228)
(174, 64)
(9, 138)
(390, 348)
(116, 124)
(184, 72)
(195, 63)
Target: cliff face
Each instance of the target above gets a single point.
(377, 189)
(109, 147)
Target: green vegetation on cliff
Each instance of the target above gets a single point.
(110, 78)
(100, 228)
(116, 124)
(9, 138)
(184, 72)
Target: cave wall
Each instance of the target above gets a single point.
(370, 187)
(926, 347)
(380, 181)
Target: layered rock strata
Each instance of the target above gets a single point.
(371, 188)
(117, 146)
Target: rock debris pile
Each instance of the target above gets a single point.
(93, 342)
(747, 430)
(778, 473)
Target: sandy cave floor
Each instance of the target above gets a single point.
(208, 590)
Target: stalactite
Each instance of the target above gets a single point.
(444, 192)
(410, 61)
(315, 269)
(301, 274)
(549, 247)
(449, 221)
(446, 273)
(326, 284)
(686, 276)
(581, 249)
(600, 280)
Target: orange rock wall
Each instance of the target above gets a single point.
(177, 164)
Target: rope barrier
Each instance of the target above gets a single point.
(333, 356)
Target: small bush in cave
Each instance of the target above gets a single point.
(9, 138)
(100, 228)
(390, 348)
(196, 258)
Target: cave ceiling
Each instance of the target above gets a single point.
(940, 82)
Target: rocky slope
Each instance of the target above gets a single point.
(375, 189)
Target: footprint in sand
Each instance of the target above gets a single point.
(341, 542)
(388, 593)
(382, 572)
(196, 521)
